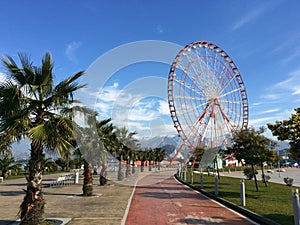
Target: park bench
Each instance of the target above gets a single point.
(1, 179)
(63, 180)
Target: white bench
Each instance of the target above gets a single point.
(1, 179)
(62, 180)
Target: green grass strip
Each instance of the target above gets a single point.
(273, 202)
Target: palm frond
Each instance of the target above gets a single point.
(14, 72)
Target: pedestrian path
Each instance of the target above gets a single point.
(276, 176)
(160, 199)
(106, 207)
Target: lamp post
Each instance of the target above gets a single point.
(278, 164)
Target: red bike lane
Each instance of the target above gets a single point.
(160, 199)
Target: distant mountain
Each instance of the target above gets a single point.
(169, 149)
(168, 143)
(159, 141)
(172, 143)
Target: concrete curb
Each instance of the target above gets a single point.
(58, 221)
(253, 216)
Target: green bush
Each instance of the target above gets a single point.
(249, 173)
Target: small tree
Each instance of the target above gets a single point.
(289, 130)
(251, 146)
(248, 172)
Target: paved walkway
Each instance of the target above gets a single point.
(276, 176)
(107, 207)
(160, 199)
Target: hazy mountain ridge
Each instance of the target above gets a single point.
(172, 143)
(169, 143)
(160, 141)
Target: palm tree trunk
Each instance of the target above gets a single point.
(133, 168)
(120, 172)
(32, 208)
(142, 166)
(87, 188)
(103, 174)
(127, 169)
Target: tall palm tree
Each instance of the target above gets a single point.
(87, 143)
(108, 142)
(93, 141)
(142, 156)
(126, 141)
(159, 155)
(32, 106)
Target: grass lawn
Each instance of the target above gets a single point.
(273, 201)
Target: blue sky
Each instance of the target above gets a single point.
(262, 37)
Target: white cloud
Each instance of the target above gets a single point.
(109, 94)
(288, 48)
(256, 103)
(71, 50)
(142, 114)
(285, 91)
(135, 111)
(291, 84)
(291, 56)
(252, 15)
(2, 77)
(267, 111)
(261, 121)
(278, 116)
(163, 108)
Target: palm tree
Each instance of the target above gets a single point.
(32, 106)
(87, 142)
(5, 144)
(62, 163)
(125, 142)
(108, 141)
(150, 158)
(142, 156)
(159, 155)
(7, 162)
(93, 141)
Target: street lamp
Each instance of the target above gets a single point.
(278, 163)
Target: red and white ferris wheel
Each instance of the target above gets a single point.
(206, 95)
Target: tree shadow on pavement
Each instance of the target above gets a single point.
(8, 222)
(11, 193)
(166, 195)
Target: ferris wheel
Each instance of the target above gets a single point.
(206, 95)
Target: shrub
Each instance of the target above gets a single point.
(249, 173)
(288, 181)
(267, 177)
